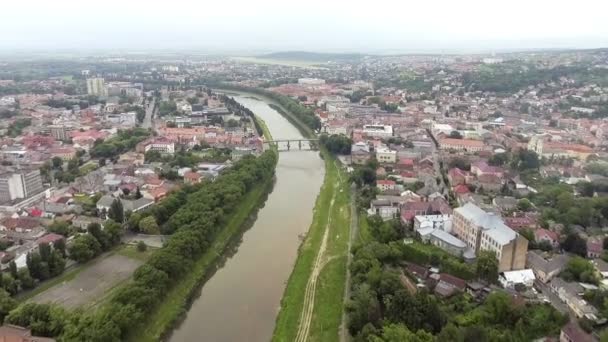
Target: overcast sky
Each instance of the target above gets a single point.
(245, 26)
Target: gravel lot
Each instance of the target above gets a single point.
(90, 285)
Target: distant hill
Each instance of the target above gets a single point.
(311, 56)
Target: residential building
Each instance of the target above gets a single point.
(466, 145)
(96, 86)
(545, 268)
(383, 208)
(510, 279)
(486, 231)
(385, 184)
(571, 332)
(384, 155)
(378, 131)
(20, 184)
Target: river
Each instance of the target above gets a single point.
(242, 298)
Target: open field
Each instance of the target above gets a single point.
(176, 301)
(91, 282)
(292, 63)
(311, 308)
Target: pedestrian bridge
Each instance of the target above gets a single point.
(284, 145)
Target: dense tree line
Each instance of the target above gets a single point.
(304, 114)
(97, 240)
(336, 143)
(195, 216)
(240, 110)
(124, 141)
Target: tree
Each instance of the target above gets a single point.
(60, 227)
(524, 204)
(94, 229)
(148, 225)
(45, 251)
(7, 304)
(575, 244)
(138, 194)
(25, 279)
(400, 333)
(116, 211)
(580, 269)
(13, 268)
(113, 231)
(57, 162)
(487, 266)
(84, 248)
(59, 246)
(133, 221)
(141, 246)
(455, 135)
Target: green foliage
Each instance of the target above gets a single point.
(43, 319)
(148, 225)
(60, 227)
(487, 266)
(84, 248)
(16, 127)
(195, 215)
(579, 269)
(116, 211)
(124, 141)
(575, 244)
(336, 143)
(141, 246)
(399, 333)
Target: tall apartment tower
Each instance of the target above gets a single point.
(20, 184)
(96, 86)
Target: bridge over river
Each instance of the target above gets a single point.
(284, 145)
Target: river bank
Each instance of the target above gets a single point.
(179, 297)
(319, 273)
(241, 301)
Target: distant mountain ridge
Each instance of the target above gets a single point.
(311, 56)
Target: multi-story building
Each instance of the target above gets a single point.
(378, 131)
(61, 132)
(96, 86)
(20, 184)
(483, 231)
(467, 145)
(384, 155)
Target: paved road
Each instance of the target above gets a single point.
(148, 120)
(354, 232)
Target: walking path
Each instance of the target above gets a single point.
(309, 296)
(354, 231)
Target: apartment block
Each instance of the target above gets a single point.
(483, 231)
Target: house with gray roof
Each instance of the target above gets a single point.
(546, 268)
(486, 231)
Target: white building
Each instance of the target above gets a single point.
(378, 131)
(96, 86)
(23, 184)
(510, 279)
(385, 155)
(311, 81)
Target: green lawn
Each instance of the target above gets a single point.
(265, 129)
(130, 251)
(329, 293)
(175, 303)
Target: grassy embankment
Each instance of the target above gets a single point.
(176, 302)
(332, 211)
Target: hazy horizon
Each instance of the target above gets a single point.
(245, 27)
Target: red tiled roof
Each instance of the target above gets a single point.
(385, 182)
(49, 238)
